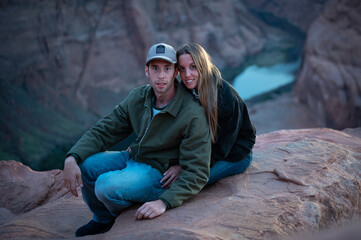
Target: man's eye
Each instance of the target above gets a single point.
(155, 68)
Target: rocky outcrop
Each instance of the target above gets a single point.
(24, 189)
(329, 82)
(300, 181)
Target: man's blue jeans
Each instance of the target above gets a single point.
(222, 169)
(112, 181)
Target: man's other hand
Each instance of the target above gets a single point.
(151, 210)
(72, 175)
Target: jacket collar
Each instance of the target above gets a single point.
(191, 91)
(174, 106)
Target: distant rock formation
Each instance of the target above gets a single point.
(329, 82)
(300, 181)
(73, 49)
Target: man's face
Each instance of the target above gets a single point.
(161, 75)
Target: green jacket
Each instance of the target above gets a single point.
(180, 132)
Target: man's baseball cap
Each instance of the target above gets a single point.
(161, 51)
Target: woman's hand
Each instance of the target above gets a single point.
(170, 176)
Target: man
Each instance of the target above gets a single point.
(170, 126)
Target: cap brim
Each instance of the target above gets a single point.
(162, 58)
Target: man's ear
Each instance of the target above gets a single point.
(146, 70)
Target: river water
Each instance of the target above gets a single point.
(255, 80)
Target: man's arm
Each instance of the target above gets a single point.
(230, 122)
(194, 159)
(104, 134)
(72, 175)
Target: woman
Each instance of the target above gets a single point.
(233, 134)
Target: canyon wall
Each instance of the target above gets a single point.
(292, 13)
(329, 82)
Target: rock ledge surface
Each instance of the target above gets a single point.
(300, 181)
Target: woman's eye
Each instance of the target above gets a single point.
(193, 67)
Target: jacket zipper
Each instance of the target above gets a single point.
(146, 130)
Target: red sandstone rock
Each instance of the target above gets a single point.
(300, 181)
(23, 189)
(329, 82)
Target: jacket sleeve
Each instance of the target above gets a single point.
(194, 159)
(104, 134)
(230, 122)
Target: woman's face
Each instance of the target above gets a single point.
(188, 71)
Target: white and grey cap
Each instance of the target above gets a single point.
(161, 51)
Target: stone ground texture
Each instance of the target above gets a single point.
(300, 181)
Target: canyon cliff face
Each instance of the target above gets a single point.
(291, 13)
(65, 64)
(300, 181)
(329, 82)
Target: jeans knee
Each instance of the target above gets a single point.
(110, 188)
(103, 188)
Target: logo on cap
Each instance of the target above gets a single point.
(160, 49)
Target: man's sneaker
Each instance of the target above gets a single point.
(92, 228)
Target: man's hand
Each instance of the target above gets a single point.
(72, 175)
(151, 210)
(171, 175)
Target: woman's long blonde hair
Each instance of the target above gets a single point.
(209, 79)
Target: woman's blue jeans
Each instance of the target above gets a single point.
(222, 169)
(112, 181)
